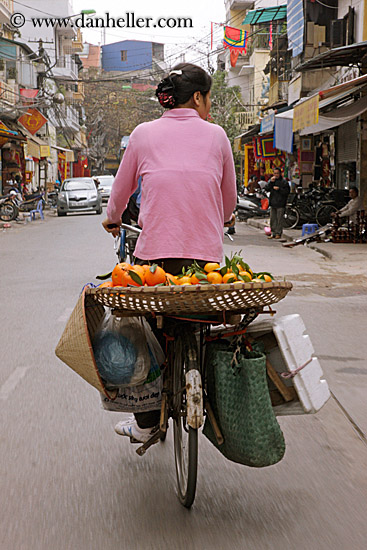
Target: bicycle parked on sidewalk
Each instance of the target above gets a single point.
(315, 205)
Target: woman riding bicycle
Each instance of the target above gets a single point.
(188, 189)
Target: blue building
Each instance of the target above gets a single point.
(133, 55)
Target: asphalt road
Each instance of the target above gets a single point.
(68, 482)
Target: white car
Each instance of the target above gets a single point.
(105, 186)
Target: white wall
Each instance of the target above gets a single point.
(47, 8)
(358, 6)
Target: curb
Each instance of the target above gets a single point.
(260, 224)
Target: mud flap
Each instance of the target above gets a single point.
(194, 395)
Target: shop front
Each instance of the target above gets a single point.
(12, 161)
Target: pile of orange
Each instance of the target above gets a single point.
(235, 269)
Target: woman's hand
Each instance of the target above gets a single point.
(231, 222)
(111, 227)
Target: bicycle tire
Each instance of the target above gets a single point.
(291, 217)
(185, 446)
(323, 215)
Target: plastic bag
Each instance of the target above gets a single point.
(121, 351)
(143, 397)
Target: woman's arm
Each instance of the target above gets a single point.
(229, 188)
(125, 183)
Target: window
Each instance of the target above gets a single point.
(123, 55)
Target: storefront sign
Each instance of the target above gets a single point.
(294, 90)
(32, 120)
(306, 113)
(33, 149)
(45, 151)
(69, 156)
(267, 124)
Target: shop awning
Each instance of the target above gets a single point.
(355, 84)
(69, 153)
(326, 121)
(265, 15)
(246, 136)
(337, 57)
(36, 147)
(336, 117)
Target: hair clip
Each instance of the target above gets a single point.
(179, 72)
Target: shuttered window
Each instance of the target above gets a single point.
(347, 142)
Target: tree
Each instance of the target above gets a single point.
(113, 110)
(226, 102)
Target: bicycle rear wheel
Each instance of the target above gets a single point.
(291, 217)
(323, 215)
(185, 437)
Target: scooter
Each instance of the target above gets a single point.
(252, 206)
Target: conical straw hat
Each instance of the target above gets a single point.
(75, 348)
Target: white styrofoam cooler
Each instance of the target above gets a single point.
(293, 351)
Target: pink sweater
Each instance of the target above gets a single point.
(188, 188)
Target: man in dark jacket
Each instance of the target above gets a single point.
(279, 191)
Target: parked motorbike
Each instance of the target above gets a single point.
(8, 210)
(52, 197)
(252, 206)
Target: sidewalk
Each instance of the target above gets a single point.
(349, 254)
(24, 220)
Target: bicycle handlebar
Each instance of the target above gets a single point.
(131, 228)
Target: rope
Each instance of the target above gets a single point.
(292, 373)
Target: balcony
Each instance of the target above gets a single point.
(65, 68)
(246, 119)
(65, 117)
(77, 43)
(6, 9)
(259, 42)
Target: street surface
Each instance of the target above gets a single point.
(68, 482)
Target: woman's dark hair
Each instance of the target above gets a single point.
(181, 83)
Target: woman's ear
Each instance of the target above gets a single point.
(196, 98)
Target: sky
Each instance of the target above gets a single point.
(196, 39)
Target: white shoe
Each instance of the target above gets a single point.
(131, 429)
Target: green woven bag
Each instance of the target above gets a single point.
(241, 404)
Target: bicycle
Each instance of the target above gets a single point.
(184, 395)
(184, 333)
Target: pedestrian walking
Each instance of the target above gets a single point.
(279, 191)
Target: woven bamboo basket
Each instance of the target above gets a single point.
(191, 299)
(75, 348)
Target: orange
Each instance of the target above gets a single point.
(128, 280)
(195, 280)
(171, 279)
(139, 269)
(155, 278)
(184, 280)
(246, 274)
(215, 278)
(267, 278)
(211, 266)
(106, 284)
(229, 278)
(117, 273)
